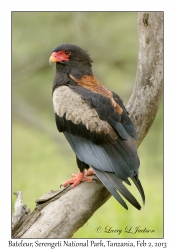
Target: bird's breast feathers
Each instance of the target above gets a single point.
(76, 109)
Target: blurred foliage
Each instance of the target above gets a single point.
(41, 157)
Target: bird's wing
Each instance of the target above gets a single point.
(74, 115)
(129, 127)
(96, 133)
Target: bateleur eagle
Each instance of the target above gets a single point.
(95, 123)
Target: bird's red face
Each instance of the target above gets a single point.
(59, 56)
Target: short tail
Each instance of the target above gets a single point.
(114, 184)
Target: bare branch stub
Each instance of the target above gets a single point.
(20, 210)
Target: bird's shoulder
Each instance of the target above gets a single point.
(74, 114)
(90, 104)
(107, 103)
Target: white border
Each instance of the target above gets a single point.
(5, 95)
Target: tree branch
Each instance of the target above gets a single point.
(56, 214)
(145, 99)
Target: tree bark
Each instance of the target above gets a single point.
(146, 96)
(56, 214)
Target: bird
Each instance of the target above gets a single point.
(96, 124)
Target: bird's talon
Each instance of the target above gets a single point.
(90, 172)
(74, 175)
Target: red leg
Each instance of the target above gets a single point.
(76, 179)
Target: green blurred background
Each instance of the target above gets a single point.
(41, 157)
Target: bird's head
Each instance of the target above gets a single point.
(69, 54)
(72, 59)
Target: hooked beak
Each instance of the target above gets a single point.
(52, 60)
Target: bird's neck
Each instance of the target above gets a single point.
(63, 72)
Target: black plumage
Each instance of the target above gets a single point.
(95, 123)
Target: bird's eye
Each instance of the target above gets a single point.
(67, 52)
